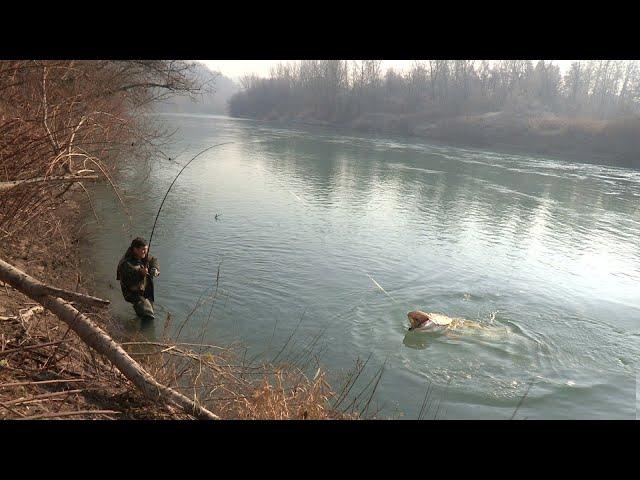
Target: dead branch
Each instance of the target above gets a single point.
(26, 315)
(75, 296)
(54, 179)
(28, 347)
(37, 289)
(38, 398)
(70, 413)
(41, 382)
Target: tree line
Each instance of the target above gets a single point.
(343, 90)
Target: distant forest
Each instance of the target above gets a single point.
(593, 109)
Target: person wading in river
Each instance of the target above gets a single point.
(136, 278)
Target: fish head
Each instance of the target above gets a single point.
(417, 318)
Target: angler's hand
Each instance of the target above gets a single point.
(144, 271)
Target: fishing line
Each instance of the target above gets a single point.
(169, 189)
(380, 287)
(150, 292)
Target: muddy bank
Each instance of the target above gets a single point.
(46, 371)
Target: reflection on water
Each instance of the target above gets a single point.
(134, 326)
(421, 340)
(307, 215)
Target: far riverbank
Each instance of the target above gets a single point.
(597, 142)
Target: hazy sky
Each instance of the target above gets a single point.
(237, 68)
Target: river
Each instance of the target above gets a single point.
(333, 237)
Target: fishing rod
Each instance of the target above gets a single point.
(146, 258)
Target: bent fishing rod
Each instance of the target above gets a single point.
(146, 258)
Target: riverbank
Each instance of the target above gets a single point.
(614, 143)
(46, 371)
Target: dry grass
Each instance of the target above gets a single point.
(217, 379)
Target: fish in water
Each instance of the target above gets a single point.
(218, 215)
(423, 321)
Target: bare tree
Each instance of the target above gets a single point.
(66, 119)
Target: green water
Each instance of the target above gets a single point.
(542, 253)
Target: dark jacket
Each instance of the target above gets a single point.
(134, 285)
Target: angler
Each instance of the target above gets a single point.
(136, 272)
(136, 269)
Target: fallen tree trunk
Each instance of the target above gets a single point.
(100, 341)
(34, 288)
(61, 178)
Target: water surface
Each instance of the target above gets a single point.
(541, 253)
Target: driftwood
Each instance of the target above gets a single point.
(60, 178)
(100, 341)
